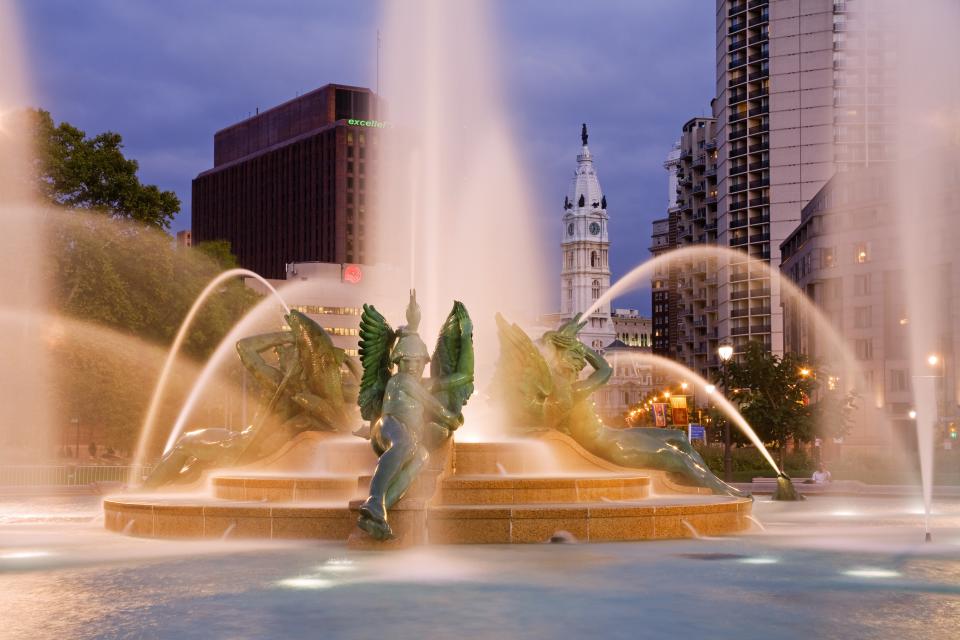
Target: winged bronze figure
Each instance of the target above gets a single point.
(409, 416)
(541, 388)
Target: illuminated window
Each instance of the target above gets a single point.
(861, 253)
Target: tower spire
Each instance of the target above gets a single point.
(583, 133)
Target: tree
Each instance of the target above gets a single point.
(773, 393)
(81, 172)
(133, 278)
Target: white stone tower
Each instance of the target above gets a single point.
(585, 275)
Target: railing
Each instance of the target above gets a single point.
(736, 242)
(759, 202)
(760, 219)
(736, 223)
(65, 475)
(760, 146)
(738, 204)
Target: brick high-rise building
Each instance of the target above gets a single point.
(294, 183)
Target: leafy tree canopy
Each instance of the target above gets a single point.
(92, 173)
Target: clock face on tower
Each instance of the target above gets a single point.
(595, 228)
(570, 229)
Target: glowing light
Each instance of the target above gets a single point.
(845, 514)
(666, 394)
(338, 565)
(23, 555)
(869, 572)
(305, 583)
(933, 360)
(804, 372)
(710, 388)
(684, 385)
(912, 414)
(904, 321)
(759, 560)
(725, 352)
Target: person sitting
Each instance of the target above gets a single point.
(821, 475)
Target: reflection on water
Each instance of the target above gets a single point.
(812, 574)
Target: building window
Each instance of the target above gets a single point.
(862, 317)
(861, 253)
(861, 285)
(596, 289)
(899, 380)
(864, 349)
(827, 258)
(569, 259)
(594, 262)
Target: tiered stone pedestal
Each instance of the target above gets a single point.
(509, 492)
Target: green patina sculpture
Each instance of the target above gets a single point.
(307, 385)
(409, 416)
(542, 390)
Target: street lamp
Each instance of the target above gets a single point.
(726, 352)
(76, 423)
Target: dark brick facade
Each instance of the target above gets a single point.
(292, 184)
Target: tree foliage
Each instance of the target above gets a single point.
(91, 173)
(773, 394)
(134, 279)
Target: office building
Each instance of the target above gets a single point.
(294, 183)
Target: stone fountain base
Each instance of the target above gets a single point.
(494, 492)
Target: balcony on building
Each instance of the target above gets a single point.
(759, 110)
(760, 328)
(737, 78)
(761, 218)
(759, 93)
(757, 147)
(760, 18)
(737, 7)
(738, 131)
(762, 36)
(739, 294)
(760, 237)
(759, 165)
(738, 150)
(738, 167)
(738, 221)
(736, 116)
(739, 312)
(757, 3)
(738, 240)
(736, 205)
(762, 72)
(759, 183)
(737, 60)
(738, 24)
(762, 310)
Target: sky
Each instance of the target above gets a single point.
(167, 74)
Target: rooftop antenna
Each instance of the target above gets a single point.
(379, 45)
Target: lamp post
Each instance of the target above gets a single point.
(726, 352)
(76, 423)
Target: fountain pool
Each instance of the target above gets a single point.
(829, 567)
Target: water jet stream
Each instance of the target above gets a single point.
(718, 398)
(148, 423)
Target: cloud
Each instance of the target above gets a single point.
(167, 75)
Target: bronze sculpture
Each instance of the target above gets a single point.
(308, 384)
(542, 393)
(409, 416)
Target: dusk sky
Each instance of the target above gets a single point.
(166, 75)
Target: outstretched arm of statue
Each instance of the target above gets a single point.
(601, 373)
(250, 350)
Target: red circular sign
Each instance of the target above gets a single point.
(352, 273)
